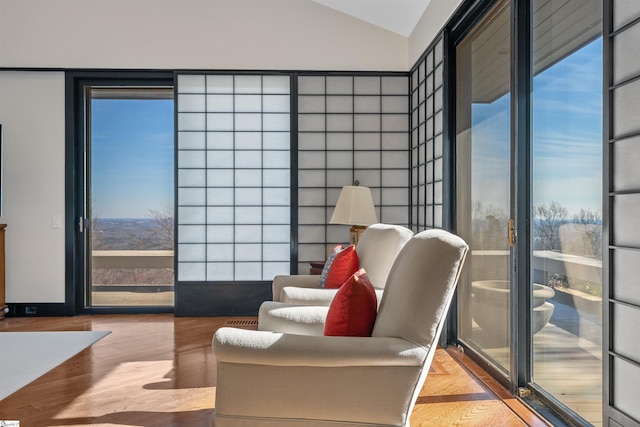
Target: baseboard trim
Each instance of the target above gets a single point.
(36, 309)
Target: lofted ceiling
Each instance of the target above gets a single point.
(399, 16)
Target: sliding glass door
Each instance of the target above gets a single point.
(528, 150)
(484, 185)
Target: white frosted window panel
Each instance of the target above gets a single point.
(395, 104)
(248, 178)
(429, 62)
(220, 121)
(191, 253)
(219, 252)
(430, 172)
(429, 84)
(220, 215)
(311, 122)
(334, 193)
(191, 178)
(191, 215)
(414, 117)
(311, 141)
(438, 123)
(339, 104)
(367, 122)
(220, 196)
(248, 140)
(338, 234)
(276, 159)
(276, 103)
(368, 178)
(395, 196)
(248, 271)
(311, 252)
(276, 122)
(248, 103)
(192, 233)
(191, 121)
(430, 194)
(219, 271)
(437, 146)
(395, 123)
(276, 233)
(275, 215)
(308, 215)
(438, 76)
(422, 173)
(276, 196)
(276, 84)
(367, 104)
(219, 233)
(429, 150)
(414, 80)
(366, 141)
(248, 252)
(191, 103)
(339, 159)
(395, 178)
(248, 196)
(248, 234)
(311, 85)
(311, 160)
(367, 160)
(219, 103)
(219, 159)
(311, 178)
(421, 191)
(276, 178)
(339, 178)
(429, 219)
(220, 178)
(276, 141)
(395, 159)
(375, 193)
(311, 233)
(414, 174)
(247, 122)
(422, 112)
(339, 122)
(437, 216)
(429, 131)
(394, 215)
(248, 84)
(311, 197)
(272, 269)
(248, 159)
(421, 153)
(311, 104)
(191, 83)
(219, 84)
(395, 141)
(437, 193)
(339, 141)
(437, 100)
(437, 170)
(192, 197)
(367, 85)
(191, 159)
(191, 141)
(220, 140)
(248, 215)
(395, 85)
(339, 84)
(191, 272)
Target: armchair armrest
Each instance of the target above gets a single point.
(299, 281)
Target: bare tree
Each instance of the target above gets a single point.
(546, 225)
(164, 226)
(590, 226)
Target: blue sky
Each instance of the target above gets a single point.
(132, 157)
(567, 137)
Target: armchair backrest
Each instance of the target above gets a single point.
(420, 287)
(377, 249)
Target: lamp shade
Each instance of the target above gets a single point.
(354, 207)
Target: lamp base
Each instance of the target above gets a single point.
(354, 233)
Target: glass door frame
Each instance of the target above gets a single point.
(76, 84)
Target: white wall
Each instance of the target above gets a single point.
(193, 34)
(32, 117)
(432, 22)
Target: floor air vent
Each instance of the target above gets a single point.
(241, 323)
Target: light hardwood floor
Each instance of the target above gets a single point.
(159, 370)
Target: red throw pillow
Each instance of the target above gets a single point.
(343, 265)
(354, 308)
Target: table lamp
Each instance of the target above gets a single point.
(355, 208)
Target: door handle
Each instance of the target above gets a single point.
(512, 232)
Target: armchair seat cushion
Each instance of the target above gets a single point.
(291, 318)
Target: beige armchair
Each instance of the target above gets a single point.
(271, 379)
(377, 249)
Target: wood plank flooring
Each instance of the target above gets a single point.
(159, 370)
